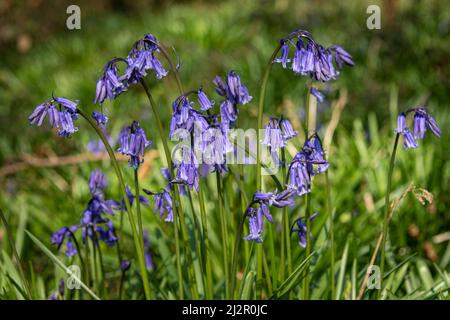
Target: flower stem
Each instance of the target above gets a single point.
(137, 244)
(176, 196)
(138, 206)
(224, 235)
(206, 258)
(262, 97)
(386, 213)
(332, 248)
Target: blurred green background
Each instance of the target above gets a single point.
(404, 64)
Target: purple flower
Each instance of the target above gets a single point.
(100, 118)
(401, 123)
(184, 118)
(309, 161)
(163, 204)
(109, 85)
(274, 136)
(133, 142)
(255, 223)
(409, 141)
(204, 101)
(302, 230)
(237, 93)
(107, 234)
(57, 239)
(61, 113)
(283, 59)
(288, 130)
(312, 59)
(141, 58)
(97, 183)
(342, 57)
(187, 170)
(422, 121)
(303, 62)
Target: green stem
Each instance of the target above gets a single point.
(138, 206)
(237, 242)
(224, 235)
(286, 225)
(386, 212)
(16, 255)
(137, 244)
(262, 97)
(332, 249)
(206, 258)
(177, 201)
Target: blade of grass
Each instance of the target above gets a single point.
(60, 264)
(340, 282)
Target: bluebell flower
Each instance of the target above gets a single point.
(342, 57)
(309, 161)
(61, 113)
(163, 204)
(141, 58)
(133, 142)
(100, 118)
(204, 101)
(302, 230)
(288, 130)
(274, 136)
(283, 59)
(312, 59)
(107, 234)
(97, 183)
(187, 170)
(422, 122)
(237, 93)
(303, 62)
(110, 84)
(184, 117)
(58, 238)
(255, 222)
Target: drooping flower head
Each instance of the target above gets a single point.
(109, 84)
(141, 58)
(95, 223)
(133, 142)
(301, 229)
(308, 162)
(422, 122)
(163, 204)
(61, 114)
(259, 208)
(65, 233)
(234, 94)
(185, 118)
(204, 101)
(187, 169)
(312, 59)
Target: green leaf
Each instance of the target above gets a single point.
(60, 264)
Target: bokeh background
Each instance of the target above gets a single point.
(404, 64)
